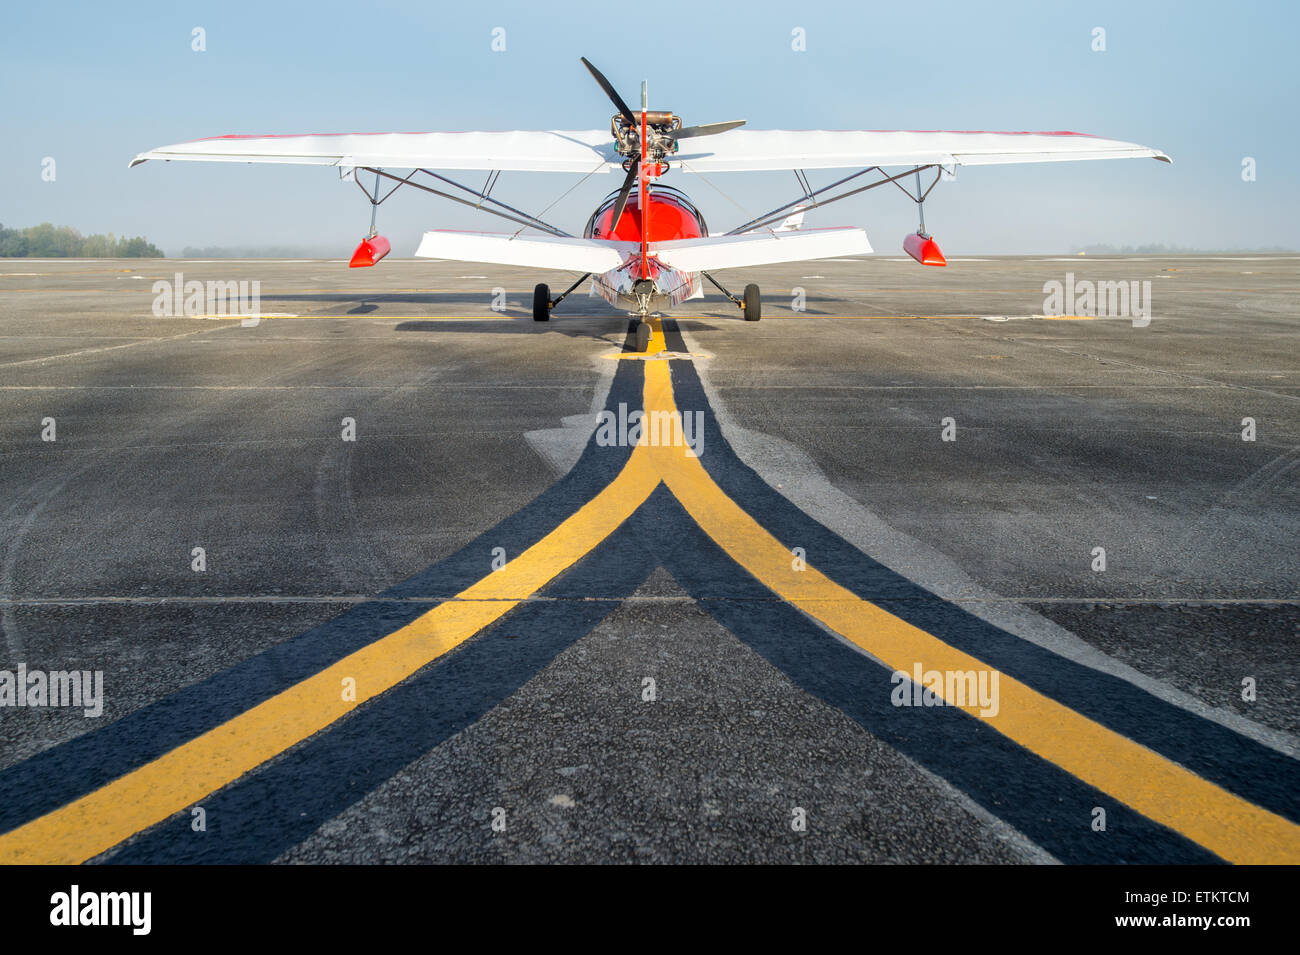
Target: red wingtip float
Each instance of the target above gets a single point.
(924, 249)
(369, 252)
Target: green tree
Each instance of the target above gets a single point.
(13, 244)
(98, 247)
(139, 248)
(48, 241)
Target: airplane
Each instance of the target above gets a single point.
(647, 246)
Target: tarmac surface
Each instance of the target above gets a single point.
(566, 650)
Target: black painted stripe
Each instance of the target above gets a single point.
(1259, 773)
(268, 811)
(1043, 801)
(59, 775)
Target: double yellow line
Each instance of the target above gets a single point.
(1156, 787)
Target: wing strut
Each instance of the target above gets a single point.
(517, 216)
(811, 200)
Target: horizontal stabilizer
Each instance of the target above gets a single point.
(760, 248)
(539, 252)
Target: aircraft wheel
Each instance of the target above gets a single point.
(753, 307)
(542, 303)
(642, 336)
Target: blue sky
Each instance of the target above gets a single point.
(93, 84)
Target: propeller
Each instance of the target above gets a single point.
(708, 129)
(623, 195)
(660, 138)
(612, 93)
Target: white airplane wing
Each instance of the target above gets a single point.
(743, 150)
(592, 150)
(760, 248)
(553, 150)
(541, 252)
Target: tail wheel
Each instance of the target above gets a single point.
(542, 303)
(753, 303)
(642, 336)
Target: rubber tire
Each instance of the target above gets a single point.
(542, 303)
(642, 336)
(753, 307)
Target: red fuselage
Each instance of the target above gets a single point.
(672, 216)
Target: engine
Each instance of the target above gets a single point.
(659, 124)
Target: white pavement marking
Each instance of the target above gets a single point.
(92, 351)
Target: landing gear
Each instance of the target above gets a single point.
(751, 306)
(642, 335)
(543, 303)
(753, 303)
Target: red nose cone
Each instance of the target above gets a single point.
(924, 249)
(369, 252)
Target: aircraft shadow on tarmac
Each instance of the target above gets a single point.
(518, 304)
(615, 333)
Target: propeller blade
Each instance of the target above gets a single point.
(623, 108)
(706, 130)
(622, 197)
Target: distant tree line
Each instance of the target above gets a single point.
(46, 241)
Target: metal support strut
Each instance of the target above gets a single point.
(813, 202)
(517, 216)
(737, 302)
(920, 204)
(565, 294)
(374, 207)
(922, 195)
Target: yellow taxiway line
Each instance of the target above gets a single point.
(1153, 785)
(1158, 788)
(149, 794)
